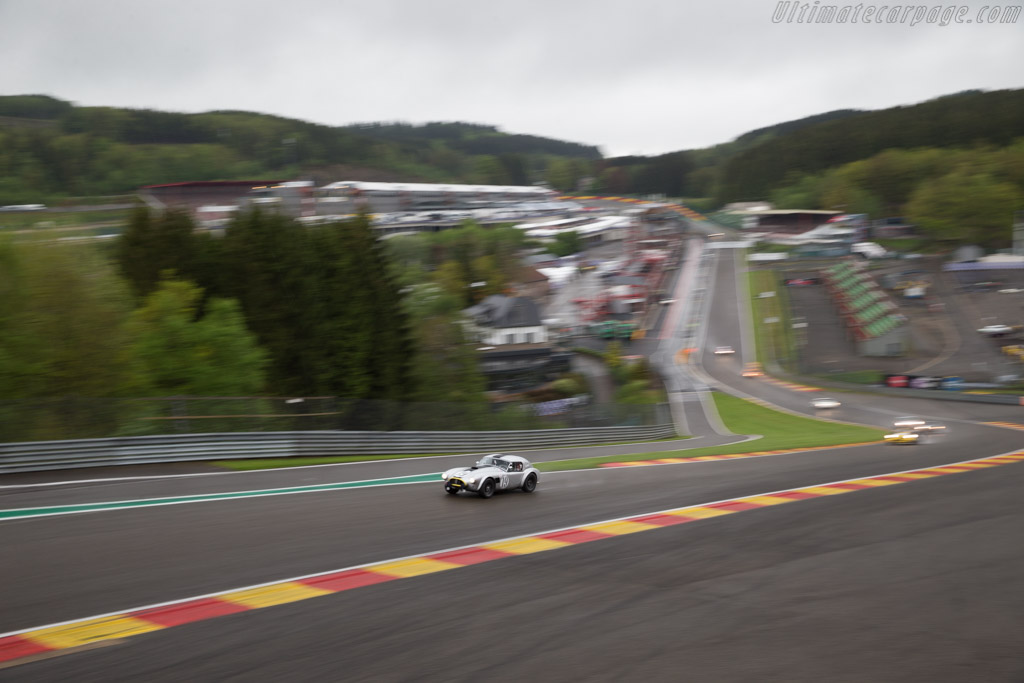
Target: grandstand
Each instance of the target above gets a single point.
(351, 196)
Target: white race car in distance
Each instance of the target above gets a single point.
(996, 330)
(825, 403)
(495, 472)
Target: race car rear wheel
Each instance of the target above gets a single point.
(530, 485)
(487, 489)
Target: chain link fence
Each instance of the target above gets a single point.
(82, 418)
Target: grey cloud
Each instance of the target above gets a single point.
(637, 77)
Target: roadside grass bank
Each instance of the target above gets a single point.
(779, 431)
(277, 463)
(769, 304)
(869, 377)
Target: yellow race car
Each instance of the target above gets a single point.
(903, 437)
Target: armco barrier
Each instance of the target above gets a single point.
(134, 450)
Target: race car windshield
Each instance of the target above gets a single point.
(489, 461)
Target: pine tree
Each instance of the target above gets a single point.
(152, 245)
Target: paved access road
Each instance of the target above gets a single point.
(911, 582)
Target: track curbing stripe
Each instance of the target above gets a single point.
(730, 456)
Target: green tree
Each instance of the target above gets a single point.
(489, 170)
(371, 339)
(152, 244)
(800, 192)
(323, 302)
(561, 174)
(966, 207)
(185, 353)
(63, 311)
(839, 191)
(613, 355)
(279, 274)
(566, 242)
(446, 367)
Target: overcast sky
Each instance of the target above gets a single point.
(640, 77)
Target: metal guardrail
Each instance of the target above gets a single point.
(134, 450)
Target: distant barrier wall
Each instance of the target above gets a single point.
(88, 418)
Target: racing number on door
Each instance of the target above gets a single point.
(504, 481)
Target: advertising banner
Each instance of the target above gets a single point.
(923, 382)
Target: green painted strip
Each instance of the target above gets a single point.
(21, 513)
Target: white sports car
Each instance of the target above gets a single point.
(495, 472)
(825, 403)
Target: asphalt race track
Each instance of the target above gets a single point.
(919, 581)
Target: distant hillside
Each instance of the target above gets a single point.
(50, 148)
(960, 120)
(472, 138)
(792, 126)
(33, 106)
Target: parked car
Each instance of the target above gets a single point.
(492, 473)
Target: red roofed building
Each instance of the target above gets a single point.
(193, 194)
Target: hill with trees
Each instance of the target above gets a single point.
(50, 148)
(863, 161)
(962, 120)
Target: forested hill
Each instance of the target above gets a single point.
(795, 125)
(50, 148)
(962, 120)
(472, 138)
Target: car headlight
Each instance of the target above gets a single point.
(471, 480)
(444, 477)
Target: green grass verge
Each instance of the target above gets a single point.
(774, 340)
(856, 376)
(779, 431)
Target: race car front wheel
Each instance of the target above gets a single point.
(530, 485)
(487, 489)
